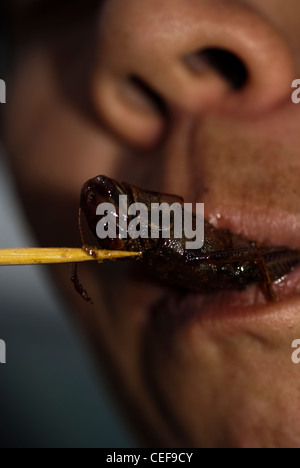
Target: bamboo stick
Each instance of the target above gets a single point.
(58, 255)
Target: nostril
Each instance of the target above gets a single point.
(146, 96)
(225, 63)
(130, 107)
(228, 65)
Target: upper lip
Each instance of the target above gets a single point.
(271, 227)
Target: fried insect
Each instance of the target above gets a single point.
(226, 260)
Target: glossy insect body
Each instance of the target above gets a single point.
(226, 261)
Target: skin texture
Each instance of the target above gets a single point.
(191, 373)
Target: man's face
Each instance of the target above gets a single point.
(159, 106)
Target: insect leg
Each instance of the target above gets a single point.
(246, 254)
(266, 277)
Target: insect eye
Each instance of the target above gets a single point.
(90, 196)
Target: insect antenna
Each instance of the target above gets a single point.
(74, 266)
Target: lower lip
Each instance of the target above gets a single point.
(185, 309)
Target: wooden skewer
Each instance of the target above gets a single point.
(58, 255)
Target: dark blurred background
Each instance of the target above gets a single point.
(50, 395)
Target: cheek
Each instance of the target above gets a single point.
(54, 149)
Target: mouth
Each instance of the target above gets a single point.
(182, 308)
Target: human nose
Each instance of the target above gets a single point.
(195, 57)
